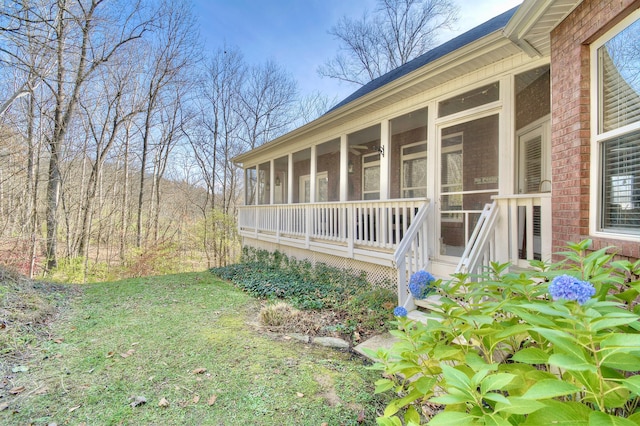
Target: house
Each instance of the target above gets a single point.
(502, 144)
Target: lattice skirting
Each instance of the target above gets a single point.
(379, 275)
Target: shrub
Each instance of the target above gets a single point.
(278, 314)
(503, 351)
(361, 308)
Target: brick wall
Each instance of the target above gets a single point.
(571, 143)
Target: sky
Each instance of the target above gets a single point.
(294, 33)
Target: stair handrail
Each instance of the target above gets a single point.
(480, 239)
(415, 238)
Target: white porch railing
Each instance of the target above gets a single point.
(526, 227)
(371, 224)
(412, 255)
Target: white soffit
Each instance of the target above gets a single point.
(534, 20)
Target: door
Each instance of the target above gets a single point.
(534, 177)
(322, 188)
(534, 160)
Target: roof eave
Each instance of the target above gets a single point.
(529, 18)
(491, 41)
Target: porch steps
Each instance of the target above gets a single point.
(386, 340)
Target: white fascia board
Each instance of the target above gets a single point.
(471, 51)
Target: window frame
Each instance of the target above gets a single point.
(408, 157)
(599, 138)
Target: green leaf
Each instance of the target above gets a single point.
(531, 356)
(624, 362)
(495, 382)
(455, 378)
(633, 384)
(548, 309)
(517, 405)
(550, 388)
(496, 397)
(425, 384)
(562, 341)
(495, 420)
(571, 363)
(560, 413)
(635, 418)
(598, 418)
(613, 319)
(412, 416)
(623, 342)
(386, 421)
(451, 399)
(384, 385)
(453, 418)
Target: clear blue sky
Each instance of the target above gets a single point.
(294, 33)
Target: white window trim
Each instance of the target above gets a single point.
(414, 156)
(365, 165)
(595, 175)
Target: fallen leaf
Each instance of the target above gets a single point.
(4, 406)
(137, 401)
(163, 403)
(110, 354)
(128, 353)
(72, 409)
(361, 417)
(212, 399)
(42, 391)
(325, 424)
(20, 369)
(135, 343)
(58, 341)
(199, 370)
(17, 390)
(183, 404)
(299, 394)
(196, 399)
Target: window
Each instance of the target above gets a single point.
(322, 180)
(468, 100)
(414, 170)
(617, 131)
(371, 176)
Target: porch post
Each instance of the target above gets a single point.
(384, 160)
(272, 182)
(344, 168)
(312, 172)
(290, 179)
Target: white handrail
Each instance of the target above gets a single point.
(412, 254)
(480, 249)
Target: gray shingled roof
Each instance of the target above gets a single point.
(494, 24)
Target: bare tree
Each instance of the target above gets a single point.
(267, 100)
(214, 138)
(84, 41)
(172, 52)
(398, 31)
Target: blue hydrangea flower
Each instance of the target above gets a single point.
(570, 288)
(421, 284)
(400, 311)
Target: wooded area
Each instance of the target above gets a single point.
(118, 126)
(117, 130)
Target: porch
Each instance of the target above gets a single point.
(405, 235)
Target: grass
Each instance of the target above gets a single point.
(191, 340)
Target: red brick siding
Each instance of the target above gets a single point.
(571, 143)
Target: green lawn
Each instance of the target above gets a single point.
(191, 340)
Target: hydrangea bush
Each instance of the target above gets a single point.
(559, 345)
